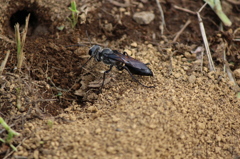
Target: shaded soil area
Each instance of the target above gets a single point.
(193, 112)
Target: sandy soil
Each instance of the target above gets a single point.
(191, 113)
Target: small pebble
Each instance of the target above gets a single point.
(177, 75)
(192, 79)
(237, 73)
(143, 17)
(92, 109)
(134, 44)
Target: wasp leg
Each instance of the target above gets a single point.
(124, 67)
(104, 74)
(125, 53)
(120, 67)
(86, 62)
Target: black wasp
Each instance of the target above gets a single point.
(120, 61)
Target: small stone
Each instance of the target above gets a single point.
(152, 126)
(217, 149)
(192, 79)
(205, 69)
(122, 9)
(237, 73)
(177, 75)
(211, 75)
(184, 59)
(150, 46)
(134, 126)
(182, 136)
(200, 131)
(111, 150)
(108, 27)
(98, 131)
(201, 125)
(92, 109)
(115, 119)
(143, 17)
(36, 154)
(134, 44)
(96, 145)
(187, 55)
(139, 150)
(140, 5)
(218, 137)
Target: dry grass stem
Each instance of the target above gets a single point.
(180, 32)
(4, 62)
(202, 29)
(116, 3)
(10, 153)
(163, 24)
(235, 37)
(6, 39)
(184, 9)
(18, 98)
(236, 2)
(21, 42)
(231, 77)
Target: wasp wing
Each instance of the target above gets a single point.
(135, 66)
(115, 56)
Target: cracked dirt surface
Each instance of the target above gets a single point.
(191, 113)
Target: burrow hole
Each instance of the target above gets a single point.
(20, 17)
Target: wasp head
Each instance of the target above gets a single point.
(95, 51)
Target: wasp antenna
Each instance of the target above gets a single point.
(136, 79)
(75, 45)
(71, 45)
(80, 45)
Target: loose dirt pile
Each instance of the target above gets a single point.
(191, 113)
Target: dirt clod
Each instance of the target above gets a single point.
(143, 17)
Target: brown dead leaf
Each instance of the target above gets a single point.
(98, 83)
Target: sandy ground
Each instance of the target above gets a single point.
(189, 114)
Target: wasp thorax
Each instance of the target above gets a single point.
(107, 51)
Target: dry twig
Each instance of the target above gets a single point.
(116, 3)
(2, 67)
(163, 24)
(211, 64)
(199, 51)
(236, 2)
(6, 39)
(10, 153)
(235, 37)
(184, 9)
(21, 42)
(202, 29)
(180, 32)
(236, 88)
